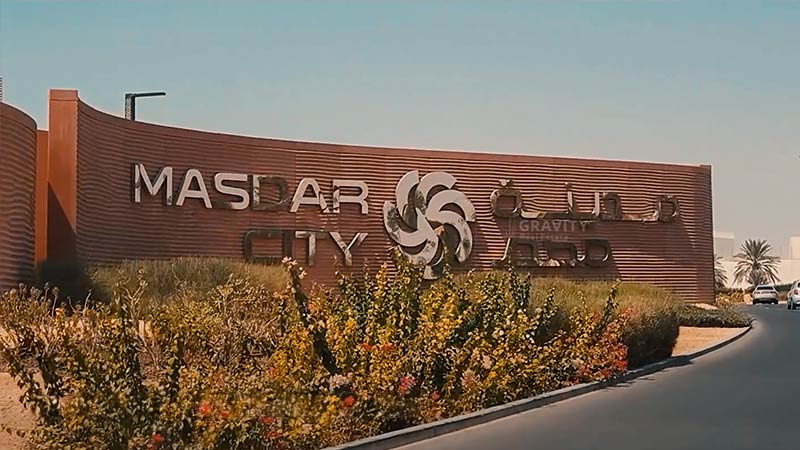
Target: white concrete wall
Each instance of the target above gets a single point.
(788, 271)
(724, 244)
(794, 247)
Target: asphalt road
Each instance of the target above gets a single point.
(743, 396)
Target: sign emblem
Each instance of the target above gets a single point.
(430, 221)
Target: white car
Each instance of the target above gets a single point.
(793, 296)
(765, 293)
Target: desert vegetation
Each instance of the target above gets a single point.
(212, 354)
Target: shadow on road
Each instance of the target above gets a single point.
(679, 362)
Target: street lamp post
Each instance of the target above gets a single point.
(130, 102)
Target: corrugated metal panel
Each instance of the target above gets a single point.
(676, 255)
(18, 157)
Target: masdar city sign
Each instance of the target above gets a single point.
(430, 219)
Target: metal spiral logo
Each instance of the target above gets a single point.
(430, 221)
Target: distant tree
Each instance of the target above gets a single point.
(754, 264)
(720, 276)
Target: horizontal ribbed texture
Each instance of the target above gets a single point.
(18, 158)
(675, 255)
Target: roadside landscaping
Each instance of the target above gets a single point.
(721, 317)
(702, 324)
(211, 354)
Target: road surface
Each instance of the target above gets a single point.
(743, 396)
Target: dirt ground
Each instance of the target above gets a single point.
(14, 416)
(704, 306)
(691, 339)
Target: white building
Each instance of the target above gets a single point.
(794, 247)
(725, 245)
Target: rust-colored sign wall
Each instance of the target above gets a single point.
(17, 196)
(135, 190)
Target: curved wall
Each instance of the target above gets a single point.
(17, 197)
(110, 226)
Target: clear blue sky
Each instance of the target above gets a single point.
(715, 83)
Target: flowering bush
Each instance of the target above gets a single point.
(238, 365)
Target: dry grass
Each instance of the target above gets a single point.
(164, 278)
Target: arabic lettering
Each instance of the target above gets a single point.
(507, 202)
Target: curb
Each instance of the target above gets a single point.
(429, 430)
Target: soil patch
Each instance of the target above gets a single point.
(692, 339)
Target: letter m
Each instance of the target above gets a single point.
(140, 179)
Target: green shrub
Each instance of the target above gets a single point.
(210, 354)
(726, 317)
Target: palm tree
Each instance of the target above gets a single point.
(754, 264)
(720, 276)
